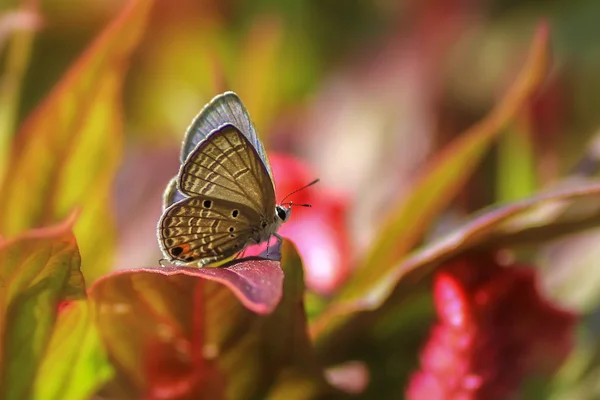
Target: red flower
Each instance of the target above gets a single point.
(318, 232)
(494, 330)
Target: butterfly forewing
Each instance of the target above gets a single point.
(226, 166)
(202, 229)
(226, 108)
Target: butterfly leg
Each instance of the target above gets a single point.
(277, 246)
(279, 239)
(268, 245)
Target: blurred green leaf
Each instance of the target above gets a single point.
(578, 376)
(38, 270)
(183, 335)
(22, 23)
(375, 276)
(66, 153)
(256, 79)
(516, 162)
(445, 178)
(75, 365)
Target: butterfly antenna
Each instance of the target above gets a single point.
(296, 204)
(297, 190)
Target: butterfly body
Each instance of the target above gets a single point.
(223, 197)
(270, 228)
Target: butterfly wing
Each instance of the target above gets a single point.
(204, 229)
(226, 166)
(226, 108)
(172, 195)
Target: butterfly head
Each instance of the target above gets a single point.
(283, 211)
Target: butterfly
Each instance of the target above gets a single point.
(223, 197)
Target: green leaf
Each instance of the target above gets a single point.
(67, 151)
(21, 23)
(375, 276)
(37, 271)
(516, 162)
(445, 178)
(179, 334)
(528, 221)
(75, 365)
(257, 80)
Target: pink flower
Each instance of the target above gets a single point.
(494, 330)
(319, 232)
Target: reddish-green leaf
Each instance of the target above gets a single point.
(66, 153)
(529, 221)
(187, 334)
(433, 191)
(37, 271)
(257, 283)
(75, 365)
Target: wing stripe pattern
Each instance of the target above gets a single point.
(224, 196)
(249, 168)
(211, 164)
(203, 234)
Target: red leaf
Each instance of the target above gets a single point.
(256, 282)
(176, 333)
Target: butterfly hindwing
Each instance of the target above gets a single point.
(172, 194)
(226, 166)
(202, 229)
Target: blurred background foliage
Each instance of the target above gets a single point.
(364, 91)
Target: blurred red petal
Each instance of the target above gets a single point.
(319, 245)
(63, 305)
(494, 330)
(290, 174)
(451, 302)
(319, 232)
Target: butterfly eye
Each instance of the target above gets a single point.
(282, 213)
